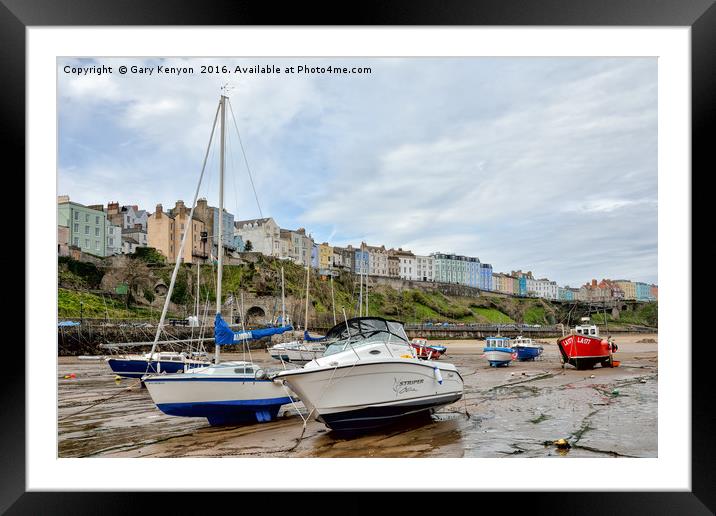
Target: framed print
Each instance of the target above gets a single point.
(439, 233)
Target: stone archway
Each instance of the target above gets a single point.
(255, 315)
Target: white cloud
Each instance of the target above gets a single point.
(485, 157)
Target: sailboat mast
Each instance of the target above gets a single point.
(198, 290)
(308, 280)
(180, 255)
(333, 302)
(220, 242)
(283, 301)
(360, 281)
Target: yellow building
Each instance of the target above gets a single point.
(166, 229)
(628, 287)
(325, 256)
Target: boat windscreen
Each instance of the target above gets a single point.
(366, 327)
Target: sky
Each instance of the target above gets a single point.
(541, 164)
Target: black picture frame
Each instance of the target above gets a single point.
(699, 15)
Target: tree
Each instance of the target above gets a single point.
(135, 273)
(149, 255)
(249, 246)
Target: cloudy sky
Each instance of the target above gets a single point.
(542, 164)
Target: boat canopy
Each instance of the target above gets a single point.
(224, 335)
(497, 342)
(308, 338)
(67, 323)
(367, 327)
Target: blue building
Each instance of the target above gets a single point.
(361, 262)
(314, 255)
(239, 244)
(565, 294)
(473, 270)
(485, 276)
(643, 291)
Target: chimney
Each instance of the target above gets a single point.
(158, 212)
(63, 199)
(180, 208)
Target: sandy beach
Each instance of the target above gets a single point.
(518, 410)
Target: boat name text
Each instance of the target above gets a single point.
(403, 386)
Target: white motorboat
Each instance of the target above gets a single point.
(370, 376)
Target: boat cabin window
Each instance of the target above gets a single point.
(360, 331)
(244, 370)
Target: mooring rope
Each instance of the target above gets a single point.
(99, 402)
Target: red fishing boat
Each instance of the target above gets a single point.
(427, 351)
(584, 348)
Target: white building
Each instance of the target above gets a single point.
(131, 216)
(377, 260)
(264, 235)
(301, 246)
(136, 236)
(543, 288)
(424, 268)
(408, 264)
(114, 239)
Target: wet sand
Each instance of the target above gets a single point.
(512, 411)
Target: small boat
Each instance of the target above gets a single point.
(427, 351)
(297, 352)
(584, 349)
(136, 366)
(498, 351)
(369, 377)
(224, 393)
(526, 349)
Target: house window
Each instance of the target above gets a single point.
(96, 245)
(86, 230)
(96, 231)
(86, 217)
(76, 227)
(76, 241)
(77, 215)
(87, 242)
(96, 219)
(111, 242)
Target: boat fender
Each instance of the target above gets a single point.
(438, 375)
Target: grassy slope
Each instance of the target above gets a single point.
(264, 278)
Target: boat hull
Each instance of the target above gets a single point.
(584, 352)
(428, 352)
(527, 353)
(369, 394)
(221, 400)
(297, 353)
(498, 357)
(131, 368)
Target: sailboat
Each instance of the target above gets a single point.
(137, 366)
(224, 392)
